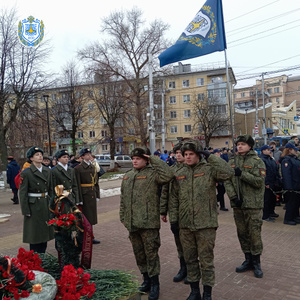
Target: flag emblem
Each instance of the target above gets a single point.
(204, 34)
(31, 31)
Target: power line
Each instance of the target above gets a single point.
(251, 11)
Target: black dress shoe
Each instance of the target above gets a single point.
(289, 222)
(96, 241)
(224, 208)
(274, 215)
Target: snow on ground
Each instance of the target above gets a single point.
(110, 192)
(114, 177)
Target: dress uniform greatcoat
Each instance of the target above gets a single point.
(88, 187)
(34, 195)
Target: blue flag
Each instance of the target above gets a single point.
(205, 34)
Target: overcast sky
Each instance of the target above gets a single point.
(262, 35)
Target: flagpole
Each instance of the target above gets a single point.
(231, 121)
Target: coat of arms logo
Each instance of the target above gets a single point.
(31, 31)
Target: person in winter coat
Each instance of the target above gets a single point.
(12, 171)
(246, 193)
(140, 213)
(34, 194)
(164, 207)
(290, 169)
(193, 207)
(272, 182)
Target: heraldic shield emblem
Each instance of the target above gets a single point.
(31, 31)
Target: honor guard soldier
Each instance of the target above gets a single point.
(246, 193)
(164, 204)
(34, 195)
(64, 175)
(193, 207)
(88, 187)
(139, 212)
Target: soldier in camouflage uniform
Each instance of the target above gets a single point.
(139, 212)
(164, 200)
(193, 206)
(248, 202)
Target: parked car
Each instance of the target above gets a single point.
(103, 159)
(123, 161)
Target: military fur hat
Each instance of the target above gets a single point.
(31, 151)
(61, 153)
(84, 151)
(246, 138)
(177, 147)
(192, 145)
(140, 151)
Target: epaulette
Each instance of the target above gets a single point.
(258, 158)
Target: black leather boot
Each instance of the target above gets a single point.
(182, 272)
(258, 273)
(145, 286)
(195, 291)
(154, 289)
(207, 292)
(246, 265)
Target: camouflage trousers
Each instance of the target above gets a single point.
(145, 244)
(248, 224)
(198, 247)
(177, 242)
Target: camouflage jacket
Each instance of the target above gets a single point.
(251, 182)
(193, 202)
(165, 191)
(139, 207)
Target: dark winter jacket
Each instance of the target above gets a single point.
(12, 171)
(272, 171)
(290, 168)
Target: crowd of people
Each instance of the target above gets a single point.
(184, 186)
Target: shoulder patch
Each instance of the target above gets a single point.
(141, 177)
(286, 164)
(125, 178)
(232, 166)
(247, 167)
(262, 172)
(258, 158)
(180, 177)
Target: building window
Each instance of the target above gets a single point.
(104, 147)
(187, 113)
(277, 100)
(173, 114)
(172, 99)
(102, 121)
(242, 95)
(216, 79)
(103, 133)
(101, 92)
(251, 93)
(53, 97)
(92, 134)
(186, 99)
(145, 88)
(91, 106)
(91, 121)
(90, 93)
(222, 92)
(77, 95)
(174, 129)
(80, 134)
(185, 83)
(234, 96)
(79, 122)
(201, 97)
(187, 128)
(210, 94)
(172, 85)
(200, 81)
(276, 90)
(269, 91)
(131, 131)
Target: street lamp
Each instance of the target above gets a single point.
(246, 109)
(46, 98)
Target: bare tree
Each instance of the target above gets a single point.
(211, 116)
(21, 76)
(125, 54)
(110, 98)
(69, 109)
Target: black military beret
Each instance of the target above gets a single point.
(31, 151)
(191, 145)
(246, 138)
(140, 151)
(84, 151)
(61, 153)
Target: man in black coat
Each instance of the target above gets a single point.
(13, 170)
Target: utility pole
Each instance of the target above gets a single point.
(264, 131)
(163, 134)
(151, 107)
(46, 98)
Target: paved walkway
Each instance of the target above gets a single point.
(280, 259)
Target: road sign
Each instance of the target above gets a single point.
(256, 126)
(256, 131)
(296, 118)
